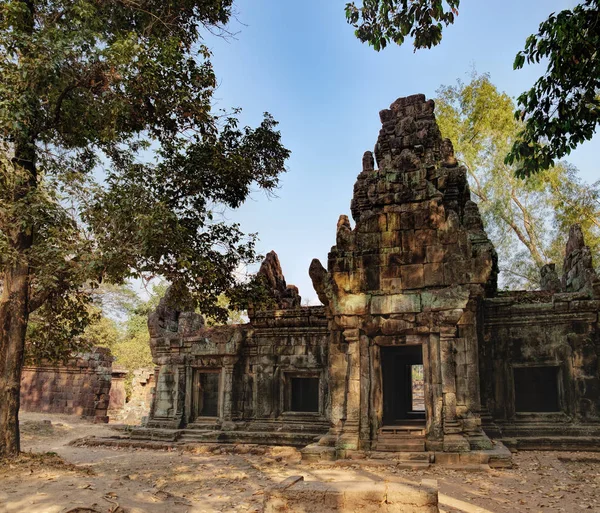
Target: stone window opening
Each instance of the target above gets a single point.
(536, 389)
(302, 394)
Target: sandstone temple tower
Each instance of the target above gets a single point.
(414, 350)
(405, 287)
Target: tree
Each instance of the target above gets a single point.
(234, 316)
(112, 162)
(68, 324)
(560, 111)
(380, 22)
(527, 220)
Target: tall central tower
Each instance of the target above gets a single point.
(403, 289)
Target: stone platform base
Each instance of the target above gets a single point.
(552, 443)
(295, 434)
(231, 437)
(497, 457)
(295, 494)
(532, 435)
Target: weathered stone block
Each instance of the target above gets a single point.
(394, 221)
(455, 271)
(412, 276)
(342, 280)
(433, 275)
(426, 237)
(391, 239)
(449, 298)
(295, 494)
(394, 326)
(340, 264)
(391, 271)
(368, 224)
(372, 277)
(393, 285)
(347, 321)
(353, 304)
(435, 253)
(395, 303)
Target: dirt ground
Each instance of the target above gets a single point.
(228, 479)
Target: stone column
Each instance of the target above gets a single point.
(344, 391)
(348, 439)
(453, 439)
(227, 389)
(337, 380)
(189, 393)
(365, 392)
(473, 421)
(434, 397)
(181, 392)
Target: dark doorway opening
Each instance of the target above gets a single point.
(206, 394)
(403, 384)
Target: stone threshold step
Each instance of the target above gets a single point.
(402, 431)
(400, 448)
(304, 434)
(403, 442)
(403, 465)
(398, 456)
(290, 427)
(401, 437)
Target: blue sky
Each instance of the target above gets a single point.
(301, 62)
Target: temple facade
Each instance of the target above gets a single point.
(414, 349)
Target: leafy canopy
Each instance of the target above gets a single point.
(528, 221)
(560, 111)
(380, 22)
(113, 160)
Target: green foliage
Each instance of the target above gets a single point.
(113, 162)
(234, 316)
(527, 220)
(60, 327)
(75, 322)
(102, 332)
(133, 349)
(562, 109)
(254, 293)
(380, 22)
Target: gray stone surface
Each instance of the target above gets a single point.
(295, 494)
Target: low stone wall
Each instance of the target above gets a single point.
(81, 387)
(295, 494)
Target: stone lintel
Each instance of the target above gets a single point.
(395, 303)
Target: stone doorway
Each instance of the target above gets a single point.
(403, 385)
(205, 397)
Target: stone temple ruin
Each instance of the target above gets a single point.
(414, 349)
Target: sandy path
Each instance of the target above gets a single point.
(111, 480)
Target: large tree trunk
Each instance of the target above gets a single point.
(14, 299)
(14, 302)
(13, 324)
